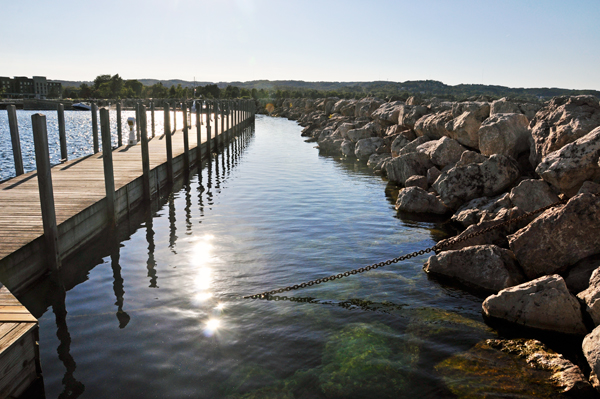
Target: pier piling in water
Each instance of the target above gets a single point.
(168, 143)
(145, 154)
(62, 133)
(14, 139)
(109, 176)
(95, 127)
(119, 125)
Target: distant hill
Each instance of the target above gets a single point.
(426, 88)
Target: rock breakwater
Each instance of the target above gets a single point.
(480, 163)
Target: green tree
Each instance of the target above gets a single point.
(135, 85)
(85, 91)
(116, 85)
(99, 80)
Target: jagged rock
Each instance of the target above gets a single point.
(343, 129)
(465, 128)
(417, 181)
(567, 168)
(532, 194)
(559, 237)
(339, 105)
(348, 147)
(412, 146)
(417, 200)
(578, 276)
(442, 152)
(589, 187)
(505, 106)
(377, 161)
(544, 303)
(399, 142)
(432, 174)
(481, 110)
(401, 168)
(410, 114)
(387, 114)
(472, 212)
(412, 100)
(329, 103)
(591, 297)
(366, 107)
(309, 105)
(361, 133)
(483, 267)
(494, 237)
(562, 121)
(398, 129)
(566, 375)
(433, 125)
(505, 134)
(469, 157)
(365, 147)
(591, 351)
(464, 183)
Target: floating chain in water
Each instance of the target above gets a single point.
(435, 248)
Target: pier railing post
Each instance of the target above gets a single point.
(175, 116)
(208, 116)
(199, 133)
(228, 120)
(223, 105)
(14, 139)
(62, 132)
(216, 112)
(138, 119)
(95, 127)
(145, 153)
(44, 176)
(186, 139)
(167, 134)
(109, 176)
(119, 125)
(152, 115)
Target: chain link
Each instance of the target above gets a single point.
(436, 248)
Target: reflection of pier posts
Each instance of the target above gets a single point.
(118, 288)
(168, 143)
(188, 209)
(151, 264)
(172, 226)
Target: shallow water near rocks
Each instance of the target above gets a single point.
(160, 313)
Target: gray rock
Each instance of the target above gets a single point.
(473, 211)
(377, 162)
(480, 109)
(505, 134)
(433, 125)
(417, 181)
(412, 146)
(505, 106)
(398, 144)
(387, 113)
(366, 106)
(365, 147)
(398, 129)
(562, 121)
(410, 114)
(591, 297)
(343, 129)
(469, 157)
(568, 167)
(361, 133)
(348, 147)
(589, 187)
(442, 152)
(464, 183)
(483, 267)
(432, 174)
(559, 237)
(531, 195)
(401, 168)
(591, 351)
(544, 303)
(578, 276)
(417, 200)
(465, 129)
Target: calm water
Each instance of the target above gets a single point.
(78, 127)
(160, 314)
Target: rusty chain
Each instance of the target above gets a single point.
(435, 248)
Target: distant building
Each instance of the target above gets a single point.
(24, 87)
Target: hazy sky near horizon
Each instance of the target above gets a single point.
(516, 43)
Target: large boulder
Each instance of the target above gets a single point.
(413, 145)
(562, 121)
(366, 106)
(434, 125)
(387, 114)
(532, 194)
(464, 183)
(401, 130)
(591, 296)
(417, 181)
(506, 106)
(366, 147)
(442, 152)
(567, 168)
(591, 351)
(578, 276)
(344, 128)
(468, 117)
(472, 212)
(505, 134)
(416, 200)
(483, 267)
(410, 114)
(348, 147)
(399, 143)
(544, 303)
(559, 237)
(469, 157)
(361, 133)
(480, 109)
(401, 168)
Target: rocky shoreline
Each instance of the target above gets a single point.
(481, 163)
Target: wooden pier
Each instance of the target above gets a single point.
(49, 214)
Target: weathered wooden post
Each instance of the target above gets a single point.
(216, 112)
(14, 138)
(186, 141)
(62, 132)
(119, 125)
(109, 176)
(95, 127)
(145, 153)
(175, 117)
(169, 145)
(152, 114)
(138, 119)
(223, 105)
(44, 176)
(208, 150)
(199, 133)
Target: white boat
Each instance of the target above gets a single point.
(82, 107)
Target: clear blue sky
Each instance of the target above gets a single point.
(516, 43)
